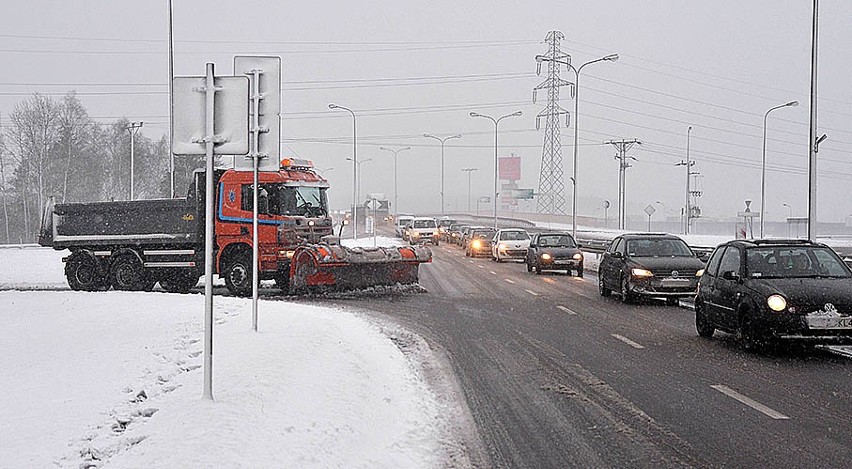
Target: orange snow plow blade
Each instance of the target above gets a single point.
(340, 268)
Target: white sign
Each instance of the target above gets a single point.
(267, 70)
(230, 118)
(649, 209)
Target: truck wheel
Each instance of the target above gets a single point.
(82, 274)
(128, 274)
(238, 275)
(179, 282)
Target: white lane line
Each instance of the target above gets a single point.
(628, 341)
(566, 310)
(549, 280)
(531, 292)
(492, 272)
(481, 266)
(749, 402)
(470, 261)
(509, 280)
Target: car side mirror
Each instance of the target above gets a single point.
(730, 275)
(580, 246)
(532, 245)
(617, 255)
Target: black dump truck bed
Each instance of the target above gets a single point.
(139, 222)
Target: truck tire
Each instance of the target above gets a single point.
(128, 274)
(82, 273)
(237, 274)
(180, 282)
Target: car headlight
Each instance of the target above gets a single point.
(415, 234)
(476, 244)
(641, 273)
(546, 257)
(776, 303)
(699, 273)
(578, 257)
(501, 247)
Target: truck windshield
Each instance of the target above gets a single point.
(278, 199)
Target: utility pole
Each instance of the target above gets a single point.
(132, 128)
(688, 206)
(551, 181)
(623, 146)
(468, 171)
(813, 142)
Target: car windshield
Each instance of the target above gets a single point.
(514, 236)
(556, 241)
(653, 247)
(424, 224)
(484, 234)
(794, 262)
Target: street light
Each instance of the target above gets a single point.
(133, 127)
(395, 210)
(442, 140)
(496, 123)
(763, 165)
(607, 58)
(664, 209)
(785, 204)
(468, 171)
(358, 182)
(354, 169)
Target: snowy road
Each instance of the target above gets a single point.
(557, 376)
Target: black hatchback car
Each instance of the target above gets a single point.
(554, 251)
(774, 290)
(649, 264)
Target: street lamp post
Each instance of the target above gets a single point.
(132, 128)
(763, 165)
(496, 123)
(354, 169)
(395, 209)
(468, 171)
(358, 182)
(442, 140)
(607, 58)
(664, 210)
(785, 204)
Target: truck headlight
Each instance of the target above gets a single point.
(641, 273)
(776, 303)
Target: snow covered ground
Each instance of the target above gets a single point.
(114, 379)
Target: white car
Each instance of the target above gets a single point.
(510, 243)
(401, 222)
(423, 230)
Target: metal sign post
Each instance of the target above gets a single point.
(649, 209)
(201, 106)
(264, 110)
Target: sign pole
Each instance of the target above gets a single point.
(210, 91)
(255, 156)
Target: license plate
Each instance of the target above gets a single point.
(829, 322)
(674, 282)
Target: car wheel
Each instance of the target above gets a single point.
(529, 266)
(626, 296)
(747, 332)
(702, 323)
(538, 269)
(498, 259)
(602, 289)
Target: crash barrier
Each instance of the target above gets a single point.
(502, 222)
(598, 242)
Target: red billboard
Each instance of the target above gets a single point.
(510, 168)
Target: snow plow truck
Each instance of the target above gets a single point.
(132, 245)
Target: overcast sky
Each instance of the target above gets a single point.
(410, 68)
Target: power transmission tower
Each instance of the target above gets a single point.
(623, 146)
(551, 183)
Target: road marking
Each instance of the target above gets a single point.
(492, 272)
(628, 341)
(471, 261)
(749, 402)
(481, 266)
(549, 280)
(531, 292)
(509, 280)
(566, 310)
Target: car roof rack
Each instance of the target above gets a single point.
(780, 241)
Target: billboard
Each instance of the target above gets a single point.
(509, 168)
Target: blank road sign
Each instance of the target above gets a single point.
(230, 118)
